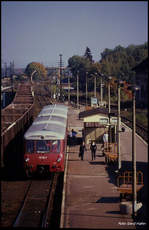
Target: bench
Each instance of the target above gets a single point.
(124, 183)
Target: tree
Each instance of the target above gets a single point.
(88, 54)
(40, 70)
(122, 60)
(79, 65)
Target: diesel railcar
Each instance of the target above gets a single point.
(46, 141)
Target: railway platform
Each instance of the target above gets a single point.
(90, 196)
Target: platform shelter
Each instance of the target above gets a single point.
(96, 123)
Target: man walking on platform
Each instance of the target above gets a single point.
(93, 149)
(82, 149)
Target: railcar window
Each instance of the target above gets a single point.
(30, 146)
(48, 146)
(55, 146)
(42, 147)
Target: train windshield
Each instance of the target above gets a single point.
(43, 146)
(48, 146)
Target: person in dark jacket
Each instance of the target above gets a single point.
(93, 149)
(82, 149)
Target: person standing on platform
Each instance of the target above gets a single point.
(73, 135)
(82, 149)
(105, 142)
(93, 148)
(105, 137)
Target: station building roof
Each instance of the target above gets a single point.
(96, 111)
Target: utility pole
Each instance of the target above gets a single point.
(118, 127)
(11, 74)
(134, 173)
(94, 85)
(60, 71)
(134, 155)
(32, 90)
(109, 107)
(77, 89)
(68, 88)
(5, 69)
(86, 88)
(101, 91)
(109, 104)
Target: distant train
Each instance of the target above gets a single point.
(46, 141)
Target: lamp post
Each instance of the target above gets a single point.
(95, 84)
(134, 201)
(109, 107)
(86, 88)
(68, 88)
(32, 81)
(77, 89)
(119, 84)
(32, 76)
(101, 88)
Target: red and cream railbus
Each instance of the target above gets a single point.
(46, 141)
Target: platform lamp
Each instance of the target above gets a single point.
(86, 89)
(101, 75)
(77, 88)
(32, 76)
(101, 87)
(119, 85)
(69, 76)
(134, 88)
(109, 107)
(32, 82)
(95, 75)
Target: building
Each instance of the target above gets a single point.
(96, 123)
(142, 81)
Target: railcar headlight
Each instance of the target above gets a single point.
(59, 159)
(27, 159)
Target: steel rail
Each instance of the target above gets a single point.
(17, 220)
(46, 221)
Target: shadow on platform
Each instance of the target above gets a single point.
(114, 212)
(142, 195)
(108, 200)
(97, 162)
(73, 141)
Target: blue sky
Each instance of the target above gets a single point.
(40, 31)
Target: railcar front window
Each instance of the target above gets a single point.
(55, 146)
(48, 146)
(42, 147)
(30, 146)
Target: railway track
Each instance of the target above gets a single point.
(37, 206)
(40, 194)
(140, 130)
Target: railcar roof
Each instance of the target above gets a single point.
(50, 124)
(58, 106)
(50, 119)
(45, 132)
(53, 111)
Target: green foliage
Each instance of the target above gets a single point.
(122, 60)
(80, 65)
(88, 54)
(40, 70)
